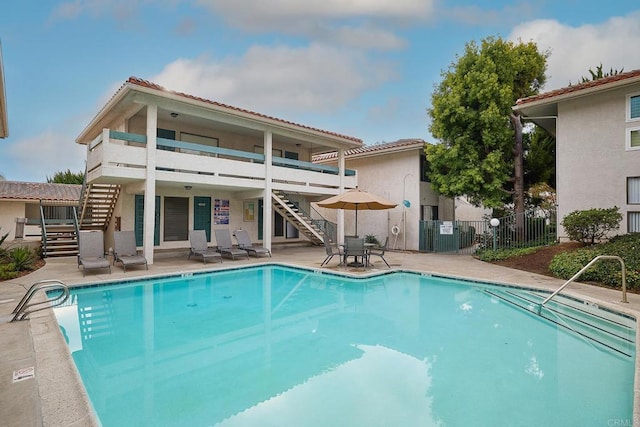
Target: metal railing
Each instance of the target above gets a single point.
(22, 310)
(585, 268)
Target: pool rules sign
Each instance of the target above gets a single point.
(446, 227)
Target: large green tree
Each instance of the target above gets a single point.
(481, 148)
(67, 177)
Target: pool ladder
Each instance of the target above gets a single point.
(24, 309)
(585, 268)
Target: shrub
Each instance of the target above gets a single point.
(591, 225)
(22, 258)
(489, 255)
(607, 272)
(371, 238)
(7, 272)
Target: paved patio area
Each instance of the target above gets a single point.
(55, 396)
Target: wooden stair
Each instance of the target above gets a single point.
(297, 218)
(59, 237)
(97, 205)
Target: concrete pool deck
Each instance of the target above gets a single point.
(55, 395)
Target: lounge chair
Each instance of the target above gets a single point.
(91, 251)
(379, 252)
(199, 247)
(125, 251)
(331, 251)
(244, 242)
(225, 247)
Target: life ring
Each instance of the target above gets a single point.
(395, 230)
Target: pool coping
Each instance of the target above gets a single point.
(74, 387)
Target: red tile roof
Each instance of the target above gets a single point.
(145, 83)
(579, 87)
(15, 190)
(385, 146)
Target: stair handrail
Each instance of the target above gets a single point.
(585, 268)
(43, 227)
(22, 309)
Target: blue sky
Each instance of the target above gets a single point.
(365, 68)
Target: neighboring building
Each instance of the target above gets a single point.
(597, 129)
(174, 162)
(20, 206)
(4, 122)
(397, 172)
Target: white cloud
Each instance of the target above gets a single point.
(317, 78)
(575, 50)
(43, 155)
(365, 24)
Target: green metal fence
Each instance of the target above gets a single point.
(533, 228)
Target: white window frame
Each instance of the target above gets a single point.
(630, 222)
(628, 107)
(628, 138)
(636, 179)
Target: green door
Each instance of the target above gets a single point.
(260, 219)
(202, 215)
(139, 221)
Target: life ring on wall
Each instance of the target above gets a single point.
(395, 230)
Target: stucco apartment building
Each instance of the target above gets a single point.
(597, 130)
(172, 162)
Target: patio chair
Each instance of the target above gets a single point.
(331, 251)
(225, 247)
(244, 242)
(124, 250)
(355, 248)
(91, 251)
(199, 247)
(379, 252)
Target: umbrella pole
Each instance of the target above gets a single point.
(356, 221)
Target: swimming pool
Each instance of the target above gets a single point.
(273, 345)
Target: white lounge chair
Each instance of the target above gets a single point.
(225, 246)
(124, 250)
(91, 251)
(199, 247)
(244, 242)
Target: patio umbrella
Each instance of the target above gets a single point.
(357, 200)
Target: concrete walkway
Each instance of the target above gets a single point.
(56, 397)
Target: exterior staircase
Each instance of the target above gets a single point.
(97, 203)
(60, 222)
(59, 229)
(297, 217)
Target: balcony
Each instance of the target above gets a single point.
(121, 158)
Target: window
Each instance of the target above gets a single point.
(425, 168)
(633, 190)
(633, 138)
(176, 219)
(634, 107)
(633, 222)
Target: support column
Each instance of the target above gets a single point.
(150, 183)
(267, 206)
(341, 172)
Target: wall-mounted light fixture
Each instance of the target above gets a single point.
(188, 187)
(174, 115)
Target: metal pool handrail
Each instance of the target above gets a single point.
(582, 270)
(22, 310)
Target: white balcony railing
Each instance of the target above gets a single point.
(123, 157)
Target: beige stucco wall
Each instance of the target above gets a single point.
(592, 160)
(10, 211)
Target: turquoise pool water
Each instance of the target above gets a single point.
(277, 346)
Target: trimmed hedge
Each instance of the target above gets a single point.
(607, 272)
